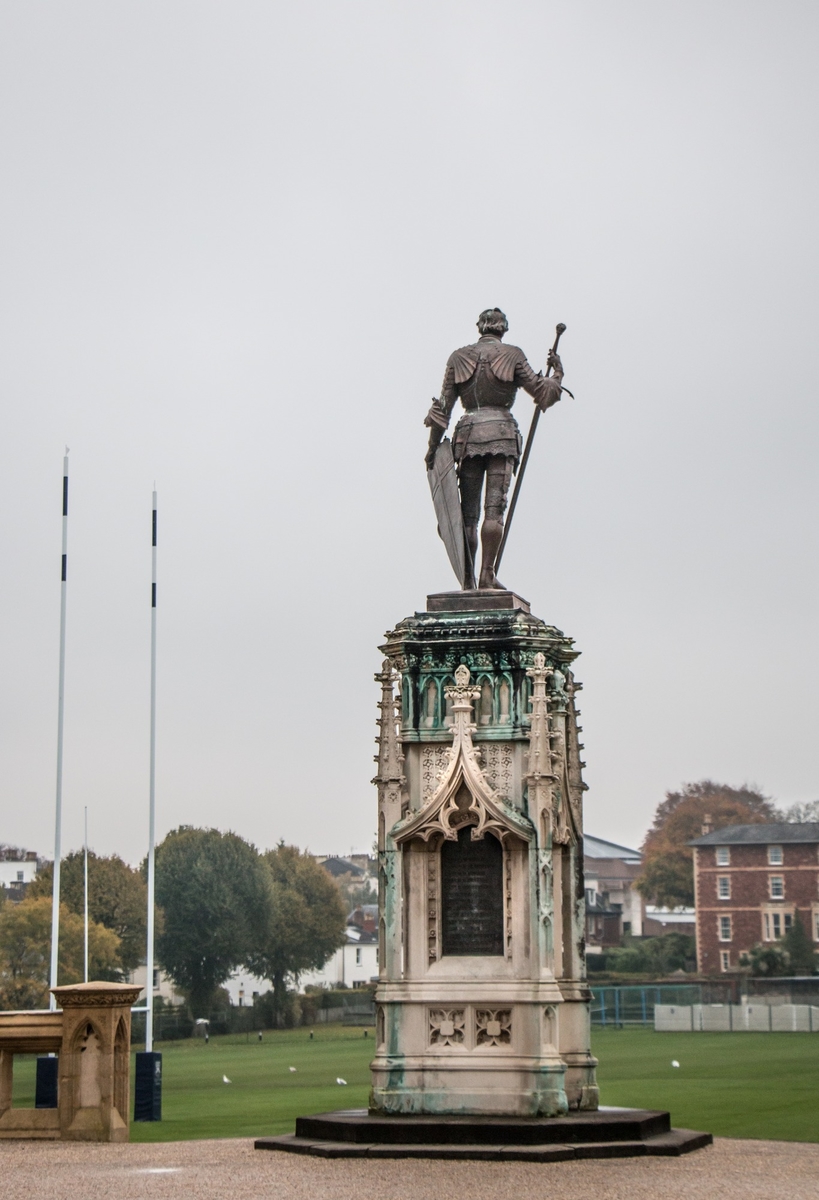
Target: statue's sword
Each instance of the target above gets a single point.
(559, 331)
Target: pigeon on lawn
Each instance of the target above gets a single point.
(225, 1079)
(291, 1069)
(343, 1082)
(674, 1062)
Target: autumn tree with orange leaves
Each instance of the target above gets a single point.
(667, 878)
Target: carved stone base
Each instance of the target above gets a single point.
(608, 1133)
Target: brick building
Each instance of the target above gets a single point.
(750, 881)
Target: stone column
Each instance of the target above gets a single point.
(477, 798)
(95, 1058)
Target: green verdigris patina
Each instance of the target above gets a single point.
(481, 741)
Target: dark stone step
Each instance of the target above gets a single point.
(357, 1125)
(678, 1141)
(609, 1133)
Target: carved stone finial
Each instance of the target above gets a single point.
(540, 759)
(390, 778)
(462, 675)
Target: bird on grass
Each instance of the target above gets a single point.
(674, 1062)
(225, 1079)
(293, 1069)
(343, 1082)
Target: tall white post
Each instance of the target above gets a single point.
(149, 982)
(85, 895)
(58, 818)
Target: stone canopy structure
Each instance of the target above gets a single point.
(482, 1005)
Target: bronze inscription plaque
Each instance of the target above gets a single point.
(472, 895)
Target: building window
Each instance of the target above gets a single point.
(723, 856)
(358, 956)
(724, 887)
(20, 877)
(775, 922)
(776, 887)
(725, 960)
(156, 979)
(816, 924)
(775, 856)
(725, 929)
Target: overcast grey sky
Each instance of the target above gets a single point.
(239, 241)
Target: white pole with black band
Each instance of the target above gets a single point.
(149, 981)
(58, 817)
(148, 1065)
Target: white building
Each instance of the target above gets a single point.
(16, 872)
(163, 986)
(353, 964)
(614, 907)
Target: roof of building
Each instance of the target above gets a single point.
(610, 870)
(760, 835)
(360, 937)
(596, 906)
(340, 866)
(594, 847)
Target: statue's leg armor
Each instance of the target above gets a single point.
(470, 478)
(498, 478)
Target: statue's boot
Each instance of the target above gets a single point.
(471, 543)
(491, 535)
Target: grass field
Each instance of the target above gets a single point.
(754, 1085)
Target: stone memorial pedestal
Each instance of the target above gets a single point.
(482, 1000)
(482, 1006)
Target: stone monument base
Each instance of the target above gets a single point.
(606, 1133)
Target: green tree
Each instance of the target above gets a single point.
(807, 813)
(656, 956)
(799, 949)
(306, 922)
(25, 952)
(766, 960)
(215, 892)
(667, 877)
(117, 898)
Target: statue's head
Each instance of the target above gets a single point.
(492, 320)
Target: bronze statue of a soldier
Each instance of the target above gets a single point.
(486, 444)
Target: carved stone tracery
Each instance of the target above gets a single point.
(497, 759)
(432, 907)
(444, 811)
(493, 1027)
(447, 1026)
(434, 760)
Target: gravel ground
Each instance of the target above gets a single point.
(222, 1169)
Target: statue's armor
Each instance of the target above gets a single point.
(485, 377)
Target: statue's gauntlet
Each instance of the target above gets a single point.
(436, 418)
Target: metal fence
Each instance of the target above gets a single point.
(735, 1018)
(358, 1012)
(619, 1005)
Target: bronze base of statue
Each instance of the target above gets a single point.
(478, 600)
